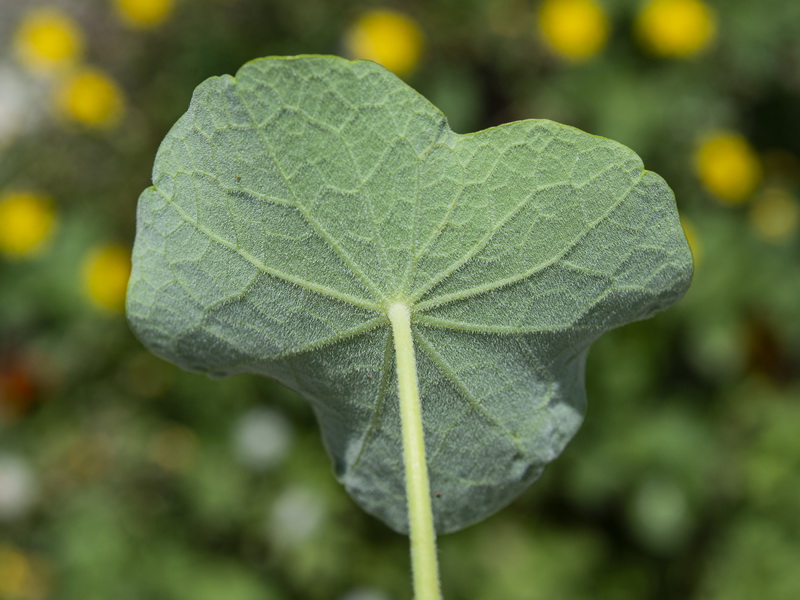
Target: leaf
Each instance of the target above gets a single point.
(293, 203)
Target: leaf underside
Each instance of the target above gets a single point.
(293, 203)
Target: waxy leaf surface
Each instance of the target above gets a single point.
(293, 203)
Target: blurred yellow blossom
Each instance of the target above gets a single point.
(91, 98)
(22, 577)
(386, 37)
(727, 166)
(573, 29)
(775, 214)
(15, 572)
(675, 28)
(144, 14)
(691, 236)
(48, 39)
(106, 271)
(27, 221)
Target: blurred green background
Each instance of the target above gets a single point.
(122, 477)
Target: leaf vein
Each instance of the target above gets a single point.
(313, 223)
(488, 287)
(302, 283)
(446, 370)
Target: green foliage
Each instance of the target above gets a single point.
(293, 203)
(681, 483)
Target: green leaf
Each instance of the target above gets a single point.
(293, 203)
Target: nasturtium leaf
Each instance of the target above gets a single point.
(294, 202)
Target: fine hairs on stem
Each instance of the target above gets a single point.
(424, 564)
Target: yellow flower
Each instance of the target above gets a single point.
(144, 14)
(15, 573)
(675, 28)
(574, 29)
(386, 37)
(775, 214)
(691, 236)
(91, 98)
(727, 166)
(23, 576)
(27, 221)
(106, 271)
(47, 40)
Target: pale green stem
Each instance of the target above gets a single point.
(424, 564)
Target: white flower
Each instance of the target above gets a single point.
(262, 438)
(364, 593)
(17, 487)
(295, 516)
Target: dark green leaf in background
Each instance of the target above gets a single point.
(293, 203)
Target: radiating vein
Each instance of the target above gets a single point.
(500, 283)
(315, 225)
(307, 285)
(500, 329)
(480, 244)
(446, 370)
(335, 338)
(383, 388)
